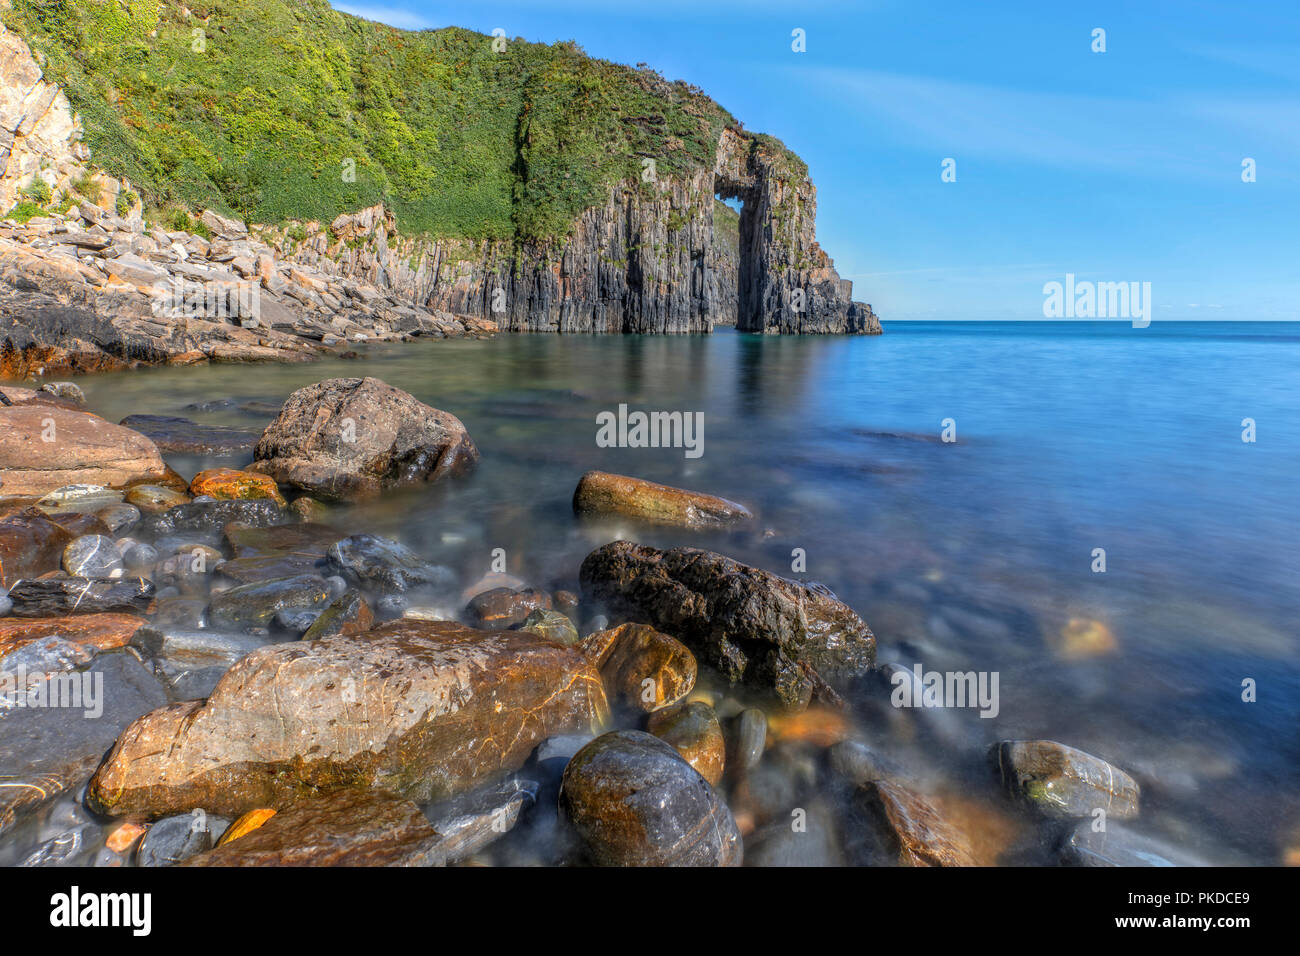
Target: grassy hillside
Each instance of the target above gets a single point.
(257, 107)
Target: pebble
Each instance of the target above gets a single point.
(93, 556)
(750, 740)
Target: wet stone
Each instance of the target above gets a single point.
(93, 556)
(551, 624)
(500, 608)
(750, 740)
(213, 516)
(1063, 782)
(633, 801)
(53, 597)
(384, 565)
(347, 614)
(174, 839)
(693, 729)
(119, 518)
(155, 499)
(255, 605)
(643, 669)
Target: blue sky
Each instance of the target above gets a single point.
(1116, 166)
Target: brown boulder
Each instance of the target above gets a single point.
(601, 493)
(415, 708)
(750, 624)
(44, 447)
(350, 438)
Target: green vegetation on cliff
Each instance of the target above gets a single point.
(265, 108)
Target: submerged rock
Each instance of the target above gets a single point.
(643, 670)
(337, 829)
(185, 437)
(213, 516)
(750, 624)
(500, 608)
(601, 493)
(384, 565)
(1062, 782)
(254, 605)
(1120, 845)
(420, 709)
(633, 801)
(551, 624)
(349, 438)
(910, 830)
(46, 750)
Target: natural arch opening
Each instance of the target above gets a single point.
(733, 289)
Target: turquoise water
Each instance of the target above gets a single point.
(968, 555)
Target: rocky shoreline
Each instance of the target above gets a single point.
(271, 687)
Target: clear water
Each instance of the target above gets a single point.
(971, 555)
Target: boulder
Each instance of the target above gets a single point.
(350, 438)
(601, 493)
(633, 801)
(44, 448)
(415, 708)
(750, 624)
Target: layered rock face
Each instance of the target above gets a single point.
(92, 288)
(646, 261)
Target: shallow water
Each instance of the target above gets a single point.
(973, 555)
